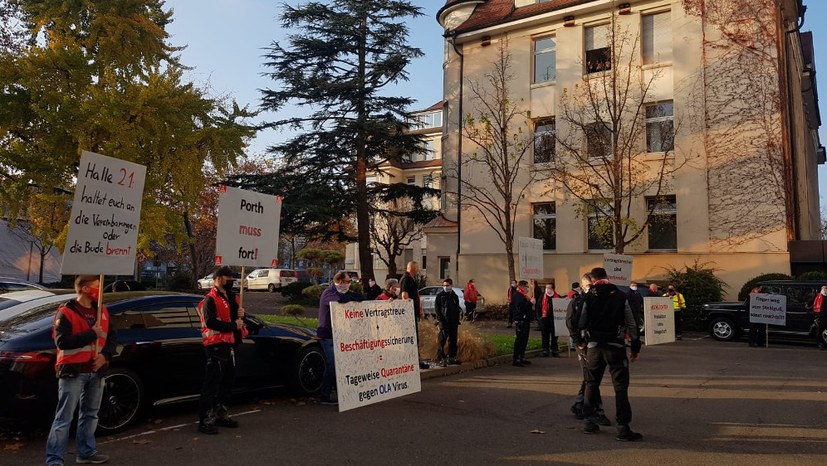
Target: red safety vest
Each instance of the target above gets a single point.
(79, 324)
(222, 312)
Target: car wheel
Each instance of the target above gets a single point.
(722, 329)
(308, 370)
(824, 337)
(271, 288)
(123, 400)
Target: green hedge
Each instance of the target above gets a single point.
(699, 285)
(749, 285)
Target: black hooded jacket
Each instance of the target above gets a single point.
(606, 315)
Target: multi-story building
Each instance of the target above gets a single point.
(724, 97)
(424, 170)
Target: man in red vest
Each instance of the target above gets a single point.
(222, 328)
(84, 348)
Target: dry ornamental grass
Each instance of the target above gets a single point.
(471, 344)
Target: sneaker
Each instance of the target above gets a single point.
(525, 361)
(577, 410)
(94, 459)
(518, 364)
(679, 337)
(603, 420)
(454, 361)
(591, 428)
(226, 422)
(508, 326)
(625, 434)
(424, 365)
(208, 429)
(329, 402)
(555, 355)
(545, 354)
(442, 363)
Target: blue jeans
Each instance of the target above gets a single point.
(329, 378)
(87, 390)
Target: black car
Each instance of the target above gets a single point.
(159, 359)
(729, 321)
(8, 285)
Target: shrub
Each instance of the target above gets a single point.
(813, 275)
(495, 311)
(294, 310)
(313, 292)
(356, 287)
(294, 290)
(179, 281)
(472, 345)
(699, 285)
(750, 284)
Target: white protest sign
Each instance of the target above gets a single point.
(248, 228)
(659, 320)
(375, 348)
(618, 268)
(106, 212)
(765, 308)
(560, 306)
(531, 258)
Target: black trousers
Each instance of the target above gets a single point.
(447, 331)
(678, 323)
(597, 359)
(547, 327)
(521, 329)
(218, 380)
(470, 308)
(580, 399)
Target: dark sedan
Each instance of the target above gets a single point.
(159, 358)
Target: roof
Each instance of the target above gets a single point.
(437, 106)
(495, 12)
(412, 165)
(441, 222)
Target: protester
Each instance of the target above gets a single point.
(339, 292)
(546, 312)
(636, 303)
(85, 345)
(411, 291)
(523, 306)
(373, 290)
(575, 290)
(680, 305)
(653, 290)
(573, 313)
(510, 293)
(470, 295)
(537, 295)
(391, 290)
(446, 306)
(819, 316)
(222, 329)
(605, 320)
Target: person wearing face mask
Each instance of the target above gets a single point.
(373, 290)
(84, 348)
(511, 290)
(222, 329)
(680, 305)
(471, 296)
(523, 305)
(446, 306)
(636, 303)
(818, 307)
(338, 292)
(391, 291)
(546, 313)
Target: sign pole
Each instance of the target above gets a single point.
(766, 335)
(241, 288)
(100, 307)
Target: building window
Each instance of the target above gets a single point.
(600, 231)
(444, 268)
(656, 38)
(545, 224)
(598, 48)
(598, 141)
(427, 120)
(424, 259)
(663, 227)
(545, 59)
(430, 149)
(411, 181)
(544, 140)
(660, 130)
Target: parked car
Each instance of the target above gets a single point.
(428, 294)
(8, 284)
(271, 280)
(14, 298)
(124, 285)
(354, 274)
(729, 321)
(207, 282)
(160, 358)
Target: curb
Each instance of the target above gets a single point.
(437, 371)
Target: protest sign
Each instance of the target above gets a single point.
(560, 306)
(248, 228)
(658, 320)
(106, 212)
(375, 348)
(766, 308)
(618, 268)
(531, 258)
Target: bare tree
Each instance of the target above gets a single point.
(749, 174)
(392, 234)
(604, 157)
(496, 176)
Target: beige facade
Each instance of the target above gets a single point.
(743, 180)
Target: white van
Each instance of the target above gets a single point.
(270, 279)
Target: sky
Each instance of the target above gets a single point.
(225, 41)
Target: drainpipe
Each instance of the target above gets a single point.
(451, 37)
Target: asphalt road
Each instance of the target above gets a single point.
(696, 402)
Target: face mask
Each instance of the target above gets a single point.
(824, 292)
(371, 283)
(93, 294)
(586, 288)
(343, 288)
(550, 292)
(228, 284)
(446, 288)
(633, 288)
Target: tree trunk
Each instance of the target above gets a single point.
(191, 246)
(362, 213)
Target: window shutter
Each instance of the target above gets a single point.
(657, 38)
(597, 37)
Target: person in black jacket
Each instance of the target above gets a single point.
(446, 305)
(573, 313)
(522, 311)
(373, 291)
(604, 320)
(636, 303)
